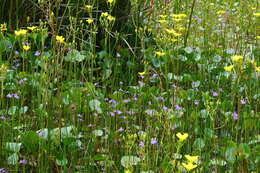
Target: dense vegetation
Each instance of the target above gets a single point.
(129, 86)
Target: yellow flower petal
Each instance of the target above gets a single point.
(183, 136)
(229, 68)
(191, 158)
(190, 166)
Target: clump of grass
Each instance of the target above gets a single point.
(178, 94)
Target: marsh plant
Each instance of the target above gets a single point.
(130, 86)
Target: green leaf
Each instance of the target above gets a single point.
(95, 105)
(66, 132)
(98, 132)
(230, 154)
(62, 161)
(199, 144)
(12, 110)
(13, 159)
(74, 56)
(14, 147)
(30, 141)
(129, 161)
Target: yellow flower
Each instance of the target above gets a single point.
(229, 68)
(163, 16)
(256, 14)
(173, 32)
(20, 32)
(253, 63)
(3, 27)
(162, 21)
(89, 21)
(110, 18)
(141, 73)
(190, 166)
(32, 28)
(257, 69)
(60, 39)
(26, 47)
(105, 14)
(88, 7)
(191, 159)
(110, 1)
(220, 12)
(237, 58)
(258, 37)
(158, 53)
(253, 8)
(182, 137)
(127, 171)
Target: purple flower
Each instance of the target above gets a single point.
(159, 98)
(2, 117)
(81, 83)
(12, 96)
(235, 115)
(112, 101)
(16, 52)
(112, 114)
(118, 112)
(177, 107)
(121, 129)
(214, 94)
(22, 80)
(220, 89)
(196, 102)
(243, 101)
(2, 170)
(150, 111)
(135, 98)
(165, 108)
(41, 133)
(153, 141)
(16, 96)
(9, 95)
(141, 144)
(130, 112)
(37, 53)
(126, 100)
(23, 162)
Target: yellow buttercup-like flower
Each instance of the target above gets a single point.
(191, 159)
(89, 21)
(141, 73)
(258, 37)
(127, 171)
(256, 14)
(162, 21)
(229, 68)
(105, 14)
(31, 28)
(182, 137)
(220, 12)
(60, 39)
(257, 69)
(3, 27)
(88, 7)
(237, 58)
(110, 18)
(158, 53)
(189, 166)
(110, 1)
(20, 32)
(26, 47)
